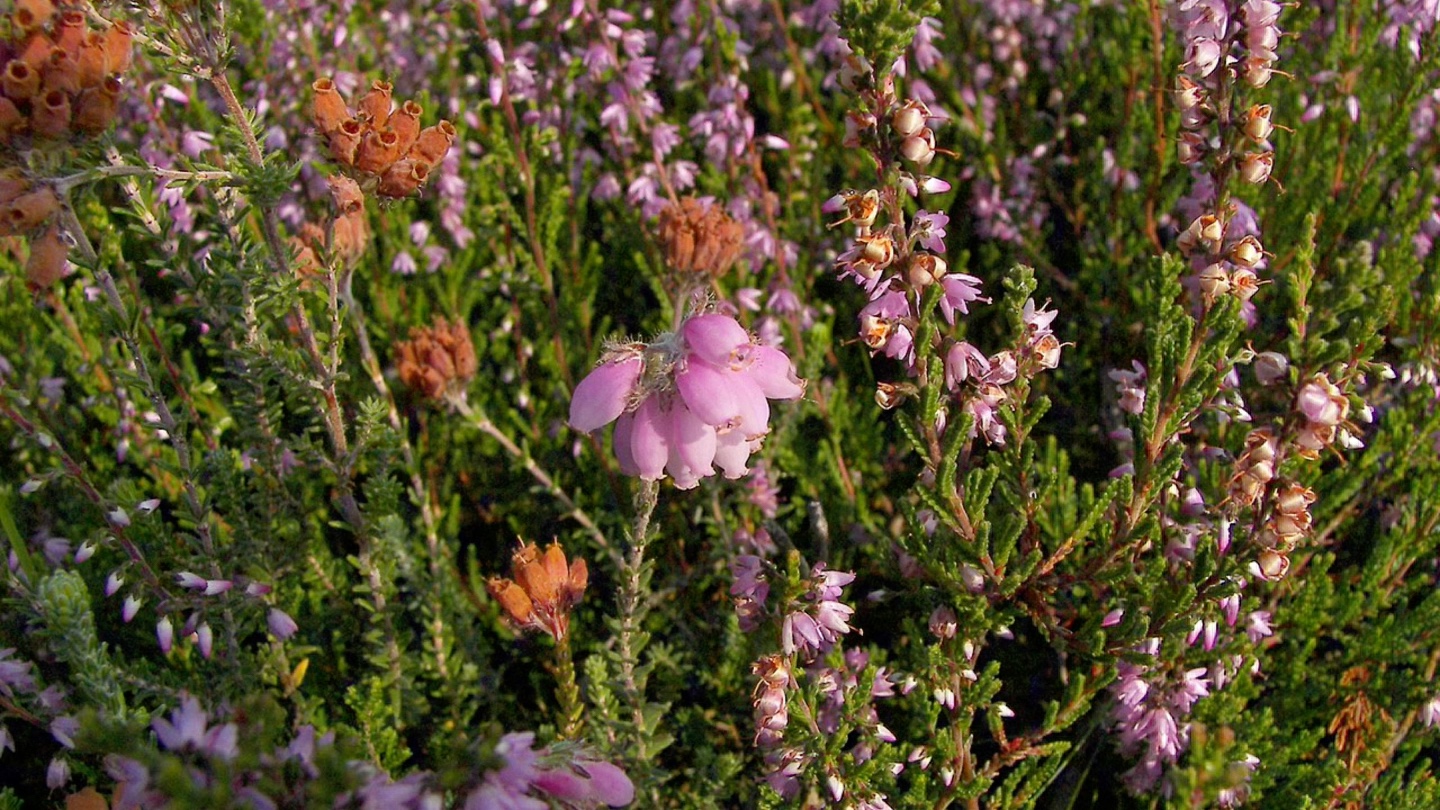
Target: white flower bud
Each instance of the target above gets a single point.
(1247, 252)
(919, 148)
(1188, 94)
(1256, 124)
(1255, 166)
(1189, 148)
(1270, 367)
(909, 119)
(1214, 281)
(130, 608)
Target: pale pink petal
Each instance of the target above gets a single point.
(772, 371)
(601, 397)
(650, 440)
(707, 392)
(732, 452)
(715, 337)
(681, 474)
(694, 440)
(624, 430)
(609, 784)
(563, 784)
(754, 407)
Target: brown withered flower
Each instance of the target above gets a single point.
(698, 238)
(438, 361)
(381, 145)
(346, 236)
(29, 210)
(544, 589)
(58, 77)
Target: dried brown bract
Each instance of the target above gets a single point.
(544, 589)
(438, 361)
(383, 147)
(699, 239)
(59, 78)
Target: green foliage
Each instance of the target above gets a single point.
(880, 30)
(211, 420)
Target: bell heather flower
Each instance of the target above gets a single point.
(693, 400)
(188, 727)
(571, 777)
(812, 632)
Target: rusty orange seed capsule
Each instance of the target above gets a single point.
(327, 109)
(50, 117)
(46, 264)
(374, 106)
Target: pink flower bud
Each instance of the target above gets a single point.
(165, 634)
(204, 639)
(933, 185)
(715, 338)
(130, 608)
(1321, 402)
(943, 623)
(280, 623)
(215, 587)
(608, 784)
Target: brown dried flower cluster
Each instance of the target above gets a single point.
(381, 145)
(29, 210)
(438, 361)
(345, 238)
(60, 77)
(543, 591)
(699, 238)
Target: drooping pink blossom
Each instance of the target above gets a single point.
(689, 402)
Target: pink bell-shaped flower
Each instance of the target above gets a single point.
(601, 397)
(694, 400)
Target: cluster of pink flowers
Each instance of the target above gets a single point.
(529, 777)
(692, 400)
(812, 630)
(1224, 248)
(1325, 408)
(1148, 716)
(980, 380)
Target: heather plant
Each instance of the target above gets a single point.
(867, 404)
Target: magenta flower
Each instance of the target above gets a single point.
(691, 401)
